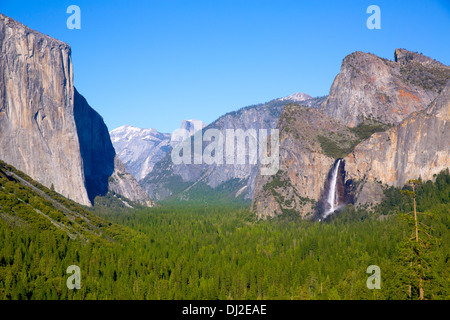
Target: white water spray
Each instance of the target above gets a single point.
(332, 197)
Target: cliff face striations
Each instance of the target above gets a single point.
(418, 147)
(47, 129)
(37, 126)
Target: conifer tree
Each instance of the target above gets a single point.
(417, 257)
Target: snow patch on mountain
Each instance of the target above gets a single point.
(140, 149)
(298, 96)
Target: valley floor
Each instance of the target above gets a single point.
(220, 252)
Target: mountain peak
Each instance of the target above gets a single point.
(123, 128)
(188, 128)
(298, 96)
(127, 129)
(139, 149)
(404, 56)
(370, 88)
(185, 124)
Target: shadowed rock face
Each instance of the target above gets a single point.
(47, 129)
(96, 148)
(103, 169)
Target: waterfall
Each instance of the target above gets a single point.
(333, 197)
(336, 193)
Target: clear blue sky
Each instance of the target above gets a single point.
(155, 63)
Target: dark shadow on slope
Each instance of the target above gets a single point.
(96, 147)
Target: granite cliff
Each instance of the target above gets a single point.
(376, 89)
(47, 129)
(417, 147)
(37, 125)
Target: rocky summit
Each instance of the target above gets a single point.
(370, 88)
(47, 129)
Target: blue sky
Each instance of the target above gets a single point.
(155, 63)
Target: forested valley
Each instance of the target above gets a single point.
(182, 251)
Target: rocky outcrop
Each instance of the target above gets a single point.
(37, 126)
(369, 193)
(418, 147)
(337, 192)
(123, 183)
(188, 129)
(406, 58)
(297, 97)
(372, 88)
(47, 129)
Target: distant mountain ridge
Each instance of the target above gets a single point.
(140, 149)
(298, 96)
(181, 181)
